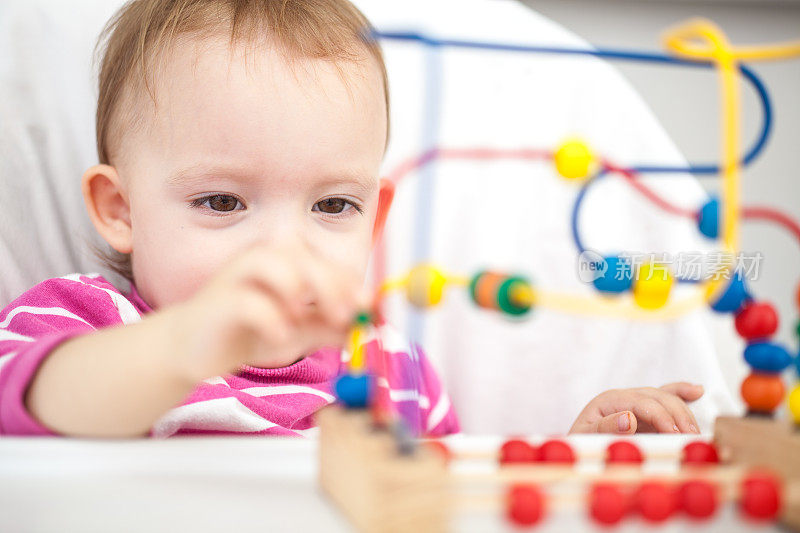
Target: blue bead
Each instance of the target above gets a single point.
(767, 357)
(734, 296)
(617, 277)
(708, 219)
(353, 391)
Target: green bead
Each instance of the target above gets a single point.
(504, 297)
(797, 328)
(363, 318)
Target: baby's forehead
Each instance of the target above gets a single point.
(208, 84)
(264, 110)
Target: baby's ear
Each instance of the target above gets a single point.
(385, 197)
(107, 204)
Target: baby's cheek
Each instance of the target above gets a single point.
(350, 251)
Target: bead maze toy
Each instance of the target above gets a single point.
(385, 481)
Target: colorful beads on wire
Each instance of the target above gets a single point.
(731, 295)
(623, 452)
(652, 286)
(767, 357)
(761, 496)
(525, 504)
(794, 404)
(574, 160)
(618, 276)
(708, 219)
(425, 286)
(513, 295)
(353, 390)
(756, 320)
(762, 392)
(698, 453)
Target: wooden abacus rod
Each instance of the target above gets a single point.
(613, 474)
(459, 455)
(621, 451)
(760, 497)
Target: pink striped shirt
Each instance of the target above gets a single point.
(280, 401)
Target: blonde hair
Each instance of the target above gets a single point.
(332, 30)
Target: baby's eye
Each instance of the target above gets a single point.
(222, 203)
(335, 206)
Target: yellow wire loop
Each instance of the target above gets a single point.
(701, 39)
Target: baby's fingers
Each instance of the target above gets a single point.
(623, 423)
(274, 274)
(655, 415)
(687, 391)
(336, 294)
(680, 412)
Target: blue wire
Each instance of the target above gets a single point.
(702, 170)
(576, 209)
(576, 237)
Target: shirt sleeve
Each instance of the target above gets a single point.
(32, 326)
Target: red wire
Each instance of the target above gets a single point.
(773, 215)
(634, 182)
(406, 167)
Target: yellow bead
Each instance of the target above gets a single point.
(574, 160)
(794, 403)
(652, 286)
(425, 286)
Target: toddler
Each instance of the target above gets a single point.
(239, 146)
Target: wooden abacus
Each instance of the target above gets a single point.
(384, 486)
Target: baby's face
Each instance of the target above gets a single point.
(270, 152)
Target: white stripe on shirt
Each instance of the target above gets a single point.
(5, 358)
(287, 389)
(439, 411)
(219, 414)
(51, 311)
(127, 312)
(6, 335)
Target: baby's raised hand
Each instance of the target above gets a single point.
(646, 409)
(266, 308)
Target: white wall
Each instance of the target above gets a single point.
(687, 104)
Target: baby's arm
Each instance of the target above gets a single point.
(113, 383)
(263, 309)
(646, 409)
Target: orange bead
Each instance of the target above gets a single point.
(763, 392)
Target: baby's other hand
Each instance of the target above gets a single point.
(646, 409)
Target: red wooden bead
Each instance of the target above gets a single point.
(518, 451)
(761, 496)
(655, 501)
(440, 449)
(556, 451)
(607, 503)
(698, 498)
(756, 320)
(699, 453)
(525, 504)
(623, 452)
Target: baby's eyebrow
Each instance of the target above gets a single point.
(198, 173)
(362, 183)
